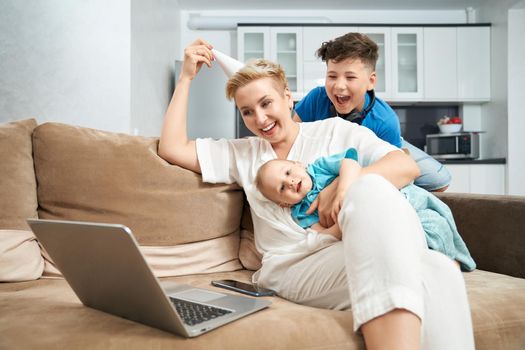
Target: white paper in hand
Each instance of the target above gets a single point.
(228, 64)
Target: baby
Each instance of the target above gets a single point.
(292, 184)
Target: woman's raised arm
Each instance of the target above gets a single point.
(175, 146)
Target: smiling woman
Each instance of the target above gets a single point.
(309, 267)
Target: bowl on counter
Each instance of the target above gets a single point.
(450, 128)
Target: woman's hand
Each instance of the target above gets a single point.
(333, 230)
(323, 204)
(195, 55)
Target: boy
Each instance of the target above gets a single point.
(348, 93)
(292, 184)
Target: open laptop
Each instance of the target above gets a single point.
(105, 268)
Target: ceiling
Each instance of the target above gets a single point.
(327, 4)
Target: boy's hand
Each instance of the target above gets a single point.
(349, 171)
(338, 203)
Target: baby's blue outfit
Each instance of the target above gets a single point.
(323, 171)
(436, 217)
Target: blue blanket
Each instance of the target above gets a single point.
(440, 229)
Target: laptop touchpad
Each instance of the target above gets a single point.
(198, 295)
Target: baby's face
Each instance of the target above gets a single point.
(285, 182)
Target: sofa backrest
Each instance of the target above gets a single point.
(91, 175)
(493, 228)
(18, 199)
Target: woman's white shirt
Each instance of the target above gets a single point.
(277, 236)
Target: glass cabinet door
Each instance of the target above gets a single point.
(253, 42)
(408, 62)
(286, 49)
(381, 36)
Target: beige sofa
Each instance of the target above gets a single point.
(193, 232)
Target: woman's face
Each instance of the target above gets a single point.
(266, 111)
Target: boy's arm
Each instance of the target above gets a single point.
(175, 146)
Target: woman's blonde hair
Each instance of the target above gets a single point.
(253, 70)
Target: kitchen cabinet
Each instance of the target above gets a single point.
(477, 178)
(278, 44)
(440, 63)
(407, 63)
(416, 63)
(314, 70)
(398, 68)
(456, 64)
(253, 42)
(473, 63)
(381, 36)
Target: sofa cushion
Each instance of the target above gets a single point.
(18, 199)
(491, 226)
(92, 175)
(497, 304)
(58, 320)
(250, 258)
(20, 258)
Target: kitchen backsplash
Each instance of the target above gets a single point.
(418, 121)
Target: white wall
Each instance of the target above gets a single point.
(516, 92)
(154, 34)
(498, 118)
(494, 113)
(66, 61)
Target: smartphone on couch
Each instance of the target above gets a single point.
(245, 288)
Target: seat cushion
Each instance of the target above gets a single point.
(497, 303)
(18, 199)
(58, 320)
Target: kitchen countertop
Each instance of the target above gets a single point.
(475, 161)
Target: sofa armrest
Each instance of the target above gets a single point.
(493, 227)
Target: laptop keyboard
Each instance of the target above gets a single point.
(194, 313)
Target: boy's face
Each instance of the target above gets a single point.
(265, 109)
(346, 84)
(285, 182)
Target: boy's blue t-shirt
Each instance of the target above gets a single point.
(381, 119)
(323, 171)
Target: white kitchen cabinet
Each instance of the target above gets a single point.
(416, 64)
(440, 63)
(314, 70)
(407, 63)
(314, 36)
(477, 178)
(473, 63)
(279, 44)
(382, 37)
(286, 47)
(253, 42)
(456, 64)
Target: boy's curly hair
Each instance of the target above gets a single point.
(350, 45)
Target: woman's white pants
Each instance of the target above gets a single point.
(383, 264)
